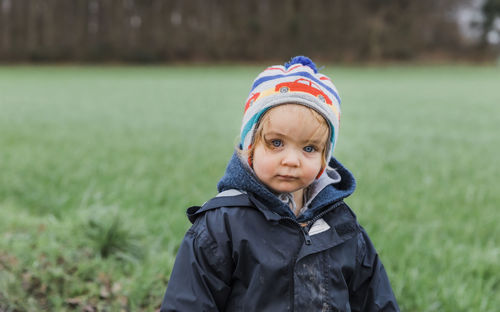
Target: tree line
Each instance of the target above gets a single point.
(211, 30)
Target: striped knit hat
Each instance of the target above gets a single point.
(298, 82)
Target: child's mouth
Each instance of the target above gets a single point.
(286, 177)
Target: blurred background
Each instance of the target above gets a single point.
(117, 115)
(216, 30)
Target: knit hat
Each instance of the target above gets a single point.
(298, 82)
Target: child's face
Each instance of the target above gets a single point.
(288, 156)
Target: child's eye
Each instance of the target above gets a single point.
(309, 149)
(276, 143)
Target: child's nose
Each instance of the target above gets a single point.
(291, 158)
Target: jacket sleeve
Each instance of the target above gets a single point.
(370, 289)
(201, 274)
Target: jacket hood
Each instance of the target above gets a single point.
(239, 176)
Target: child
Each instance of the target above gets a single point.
(278, 236)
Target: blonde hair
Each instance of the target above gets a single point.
(258, 133)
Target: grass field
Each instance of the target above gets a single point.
(97, 167)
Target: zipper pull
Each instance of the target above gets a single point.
(307, 238)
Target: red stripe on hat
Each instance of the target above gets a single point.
(284, 71)
(274, 68)
(293, 67)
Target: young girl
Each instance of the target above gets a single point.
(278, 236)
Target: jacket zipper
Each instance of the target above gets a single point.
(305, 232)
(319, 216)
(305, 229)
(307, 241)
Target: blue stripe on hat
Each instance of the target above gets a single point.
(250, 124)
(332, 136)
(306, 74)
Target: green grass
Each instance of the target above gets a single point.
(99, 164)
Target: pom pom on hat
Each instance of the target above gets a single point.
(304, 60)
(297, 82)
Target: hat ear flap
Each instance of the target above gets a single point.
(320, 172)
(250, 163)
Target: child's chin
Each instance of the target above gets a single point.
(285, 189)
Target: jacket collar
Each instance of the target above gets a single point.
(326, 190)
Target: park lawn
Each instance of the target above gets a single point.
(98, 165)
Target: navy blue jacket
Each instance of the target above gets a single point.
(246, 251)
